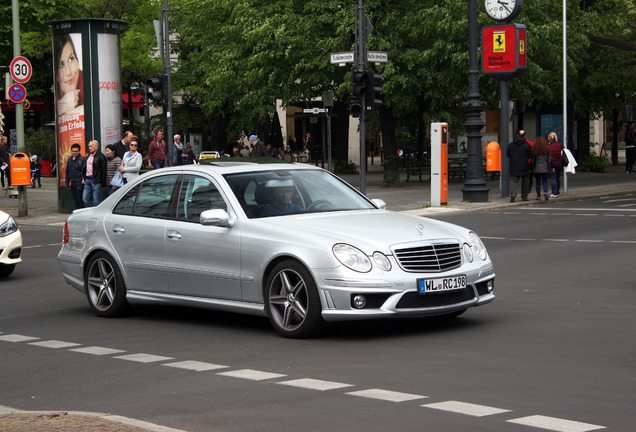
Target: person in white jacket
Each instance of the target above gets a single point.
(131, 162)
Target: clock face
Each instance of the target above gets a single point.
(501, 10)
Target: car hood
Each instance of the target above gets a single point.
(372, 230)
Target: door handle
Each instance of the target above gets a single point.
(118, 229)
(174, 235)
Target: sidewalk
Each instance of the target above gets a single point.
(413, 196)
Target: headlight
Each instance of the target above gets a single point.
(352, 258)
(468, 253)
(8, 227)
(478, 247)
(382, 261)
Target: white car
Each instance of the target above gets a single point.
(288, 241)
(10, 244)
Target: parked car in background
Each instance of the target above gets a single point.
(10, 244)
(292, 242)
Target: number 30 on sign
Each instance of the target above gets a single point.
(20, 69)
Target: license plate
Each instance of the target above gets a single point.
(425, 286)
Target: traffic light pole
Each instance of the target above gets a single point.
(168, 90)
(361, 65)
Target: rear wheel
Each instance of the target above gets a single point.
(292, 301)
(105, 287)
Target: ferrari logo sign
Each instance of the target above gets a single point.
(499, 41)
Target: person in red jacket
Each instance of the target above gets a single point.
(557, 164)
(157, 152)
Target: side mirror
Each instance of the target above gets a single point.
(216, 217)
(379, 203)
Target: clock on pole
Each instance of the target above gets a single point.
(503, 10)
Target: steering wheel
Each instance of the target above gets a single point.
(317, 204)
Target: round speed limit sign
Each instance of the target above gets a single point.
(21, 70)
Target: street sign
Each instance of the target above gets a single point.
(342, 58)
(20, 69)
(17, 93)
(377, 56)
(314, 110)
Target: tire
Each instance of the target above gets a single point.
(105, 287)
(292, 302)
(6, 270)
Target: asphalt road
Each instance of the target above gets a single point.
(555, 351)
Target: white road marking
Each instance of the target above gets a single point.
(144, 358)
(466, 408)
(195, 365)
(56, 344)
(623, 241)
(555, 424)
(386, 395)
(587, 214)
(556, 240)
(589, 241)
(16, 338)
(96, 350)
(251, 374)
(314, 384)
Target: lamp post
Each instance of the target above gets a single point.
(475, 188)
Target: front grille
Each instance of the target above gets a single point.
(412, 300)
(429, 257)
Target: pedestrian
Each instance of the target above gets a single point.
(157, 152)
(630, 148)
(94, 175)
(557, 164)
(244, 150)
(258, 147)
(179, 151)
(542, 166)
(132, 161)
(74, 167)
(5, 162)
(192, 158)
(36, 171)
(122, 146)
(519, 153)
(112, 167)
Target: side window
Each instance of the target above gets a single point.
(153, 199)
(126, 205)
(197, 195)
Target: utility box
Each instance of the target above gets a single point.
(439, 164)
(493, 156)
(20, 170)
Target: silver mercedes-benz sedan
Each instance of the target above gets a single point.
(291, 242)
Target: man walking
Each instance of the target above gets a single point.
(94, 175)
(157, 152)
(5, 160)
(74, 167)
(124, 145)
(520, 153)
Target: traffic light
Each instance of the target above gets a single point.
(372, 90)
(357, 92)
(156, 88)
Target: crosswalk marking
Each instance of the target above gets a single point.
(143, 358)
(16, 338)
(251, 374)
(387, 395)
(314, 384)
(56, 344)
(195, 365)
(96, 350)
(555, 424)
(466, 408)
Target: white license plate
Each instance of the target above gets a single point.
(425, 286)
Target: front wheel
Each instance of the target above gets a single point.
(6, 269)
(292, 302)
(105, 287)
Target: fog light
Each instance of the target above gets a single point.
(490, 285)
(359, 301)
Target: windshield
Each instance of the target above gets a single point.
(281, 192)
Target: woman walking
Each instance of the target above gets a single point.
(542, 166)
(132, 161)
(557, 164)
(112, 166)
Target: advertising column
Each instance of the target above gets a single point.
(88, 104)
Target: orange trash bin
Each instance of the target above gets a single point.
(20, 169)
(493, 156)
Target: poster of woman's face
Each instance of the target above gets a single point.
(69, 96)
